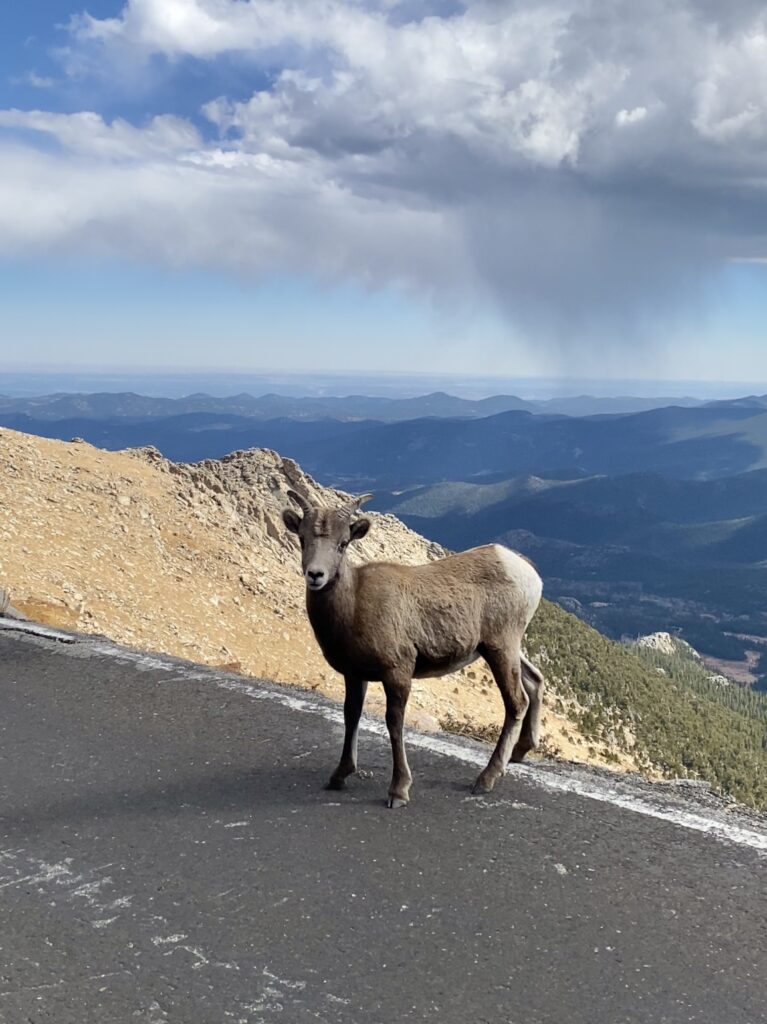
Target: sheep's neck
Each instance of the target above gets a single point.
(331, 613)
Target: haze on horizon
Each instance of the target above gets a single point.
(541, 187)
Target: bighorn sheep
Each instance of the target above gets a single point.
(391, 623)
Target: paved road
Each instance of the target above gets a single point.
(168, 854)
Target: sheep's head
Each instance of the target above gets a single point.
(324, 535)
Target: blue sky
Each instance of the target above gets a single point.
(33, 35)
(200, 319)
(352, 184)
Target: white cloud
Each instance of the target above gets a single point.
(547, 82)
(731, 98)
(631, 116)
(138, 194)
(88, 133)
(577, 159)
(35, 80)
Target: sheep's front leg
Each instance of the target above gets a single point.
(397, 689)
(355, 698)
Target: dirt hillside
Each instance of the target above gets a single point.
(193, 561)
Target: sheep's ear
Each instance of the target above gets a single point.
(291, 519)
(359, 528)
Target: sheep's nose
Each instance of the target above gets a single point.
(316, 576)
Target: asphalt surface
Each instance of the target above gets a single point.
(168, 854)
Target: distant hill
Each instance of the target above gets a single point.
(193, 560)
(708, 441)
(129, 406)
(132, 407)
(665, 515)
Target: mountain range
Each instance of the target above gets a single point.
(712, 440)
(639, 521)
(127, 405)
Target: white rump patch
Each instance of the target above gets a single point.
(522, 573)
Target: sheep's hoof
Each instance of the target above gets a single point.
(335, 783)
(396, 801)
(484, 784)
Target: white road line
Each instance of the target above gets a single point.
(602, 790)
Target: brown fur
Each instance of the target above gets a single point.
(390, 623)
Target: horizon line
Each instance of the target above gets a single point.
(96, 369)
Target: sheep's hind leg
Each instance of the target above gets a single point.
(355, 699)
(397, 689)
(529, 737)
(507, 670)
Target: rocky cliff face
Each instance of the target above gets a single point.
(193, 560)
(666, 644)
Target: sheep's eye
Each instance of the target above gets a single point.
(343, 545)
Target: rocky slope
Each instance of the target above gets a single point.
(665, 643)
(193, 560)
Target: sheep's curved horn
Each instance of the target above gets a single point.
(302, 503)
(347, 510)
